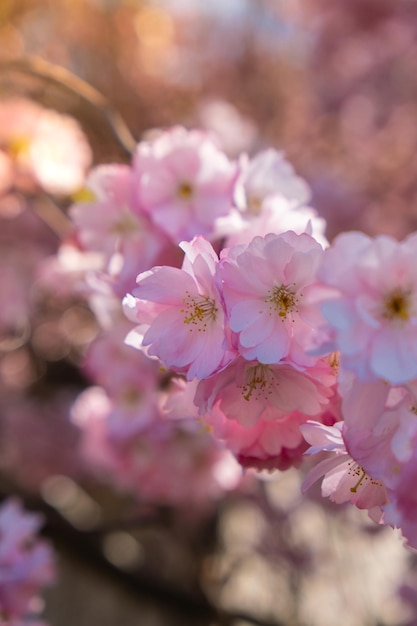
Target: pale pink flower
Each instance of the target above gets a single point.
(373, 308)
(65, 272)
(184, 312)
(109, 221)
(26, 562)
(184, 182)
(233, 130)
(401, 512)
(272, 444)
(249, 391)
(178, 461)
(98, 448)
(380, 425)
(45, 147)
(130, 379)
(58, 153)
(344, 480)
(171, 461)
(268, 174)
(277, 215)
(268, 288)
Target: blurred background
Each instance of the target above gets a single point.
(333, 85)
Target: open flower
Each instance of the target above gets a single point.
(373, 309)
(183, 313)
(184, 182)
(249, 391)
(344, 480)
(267, 288)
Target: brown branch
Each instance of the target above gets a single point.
(57, 75)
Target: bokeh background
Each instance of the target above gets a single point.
(333, 85)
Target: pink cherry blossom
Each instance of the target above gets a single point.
(59, 154)
(26, 562)
(184, 182)
(171, 461)
(249, 391)
(184, 312)
(233, 130)
(344, 480)
(109, 221)
(276, 215)
(266, 175)
(373, 308)
(272, 444)
(401, 512)
(131, 383)
(43, 146)
(268, 288)
(380, 425)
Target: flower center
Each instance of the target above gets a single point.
(127, 224)
(356, 471)
(199, 310)
(185, 191)
(282, 299)
(131, 397)
(397, 305)
(258, 381)
(254, 204)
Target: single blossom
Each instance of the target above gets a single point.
(268, 444)
(276, 215)
(249, 391)
(372, 309)
(344, 480)
(108, 220)
(268, 288)
(184, 182)
(380, 425)
(183, 311)
(44, 148)
(26, 562)
(266, 175)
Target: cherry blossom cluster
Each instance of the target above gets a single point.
(371, 311)
(26, 565)
(252, 334)
(139, 423)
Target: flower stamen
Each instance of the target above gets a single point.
(397, 305)
(257, 380)
(198, 311)
(185, 191)
(283, 299)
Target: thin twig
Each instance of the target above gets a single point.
(57, 75)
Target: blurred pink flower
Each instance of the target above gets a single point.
(26, 562)
(43, 146)
(277, 215)
(170, 461)
(266, 175)
(184, 182)
(109, 221)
